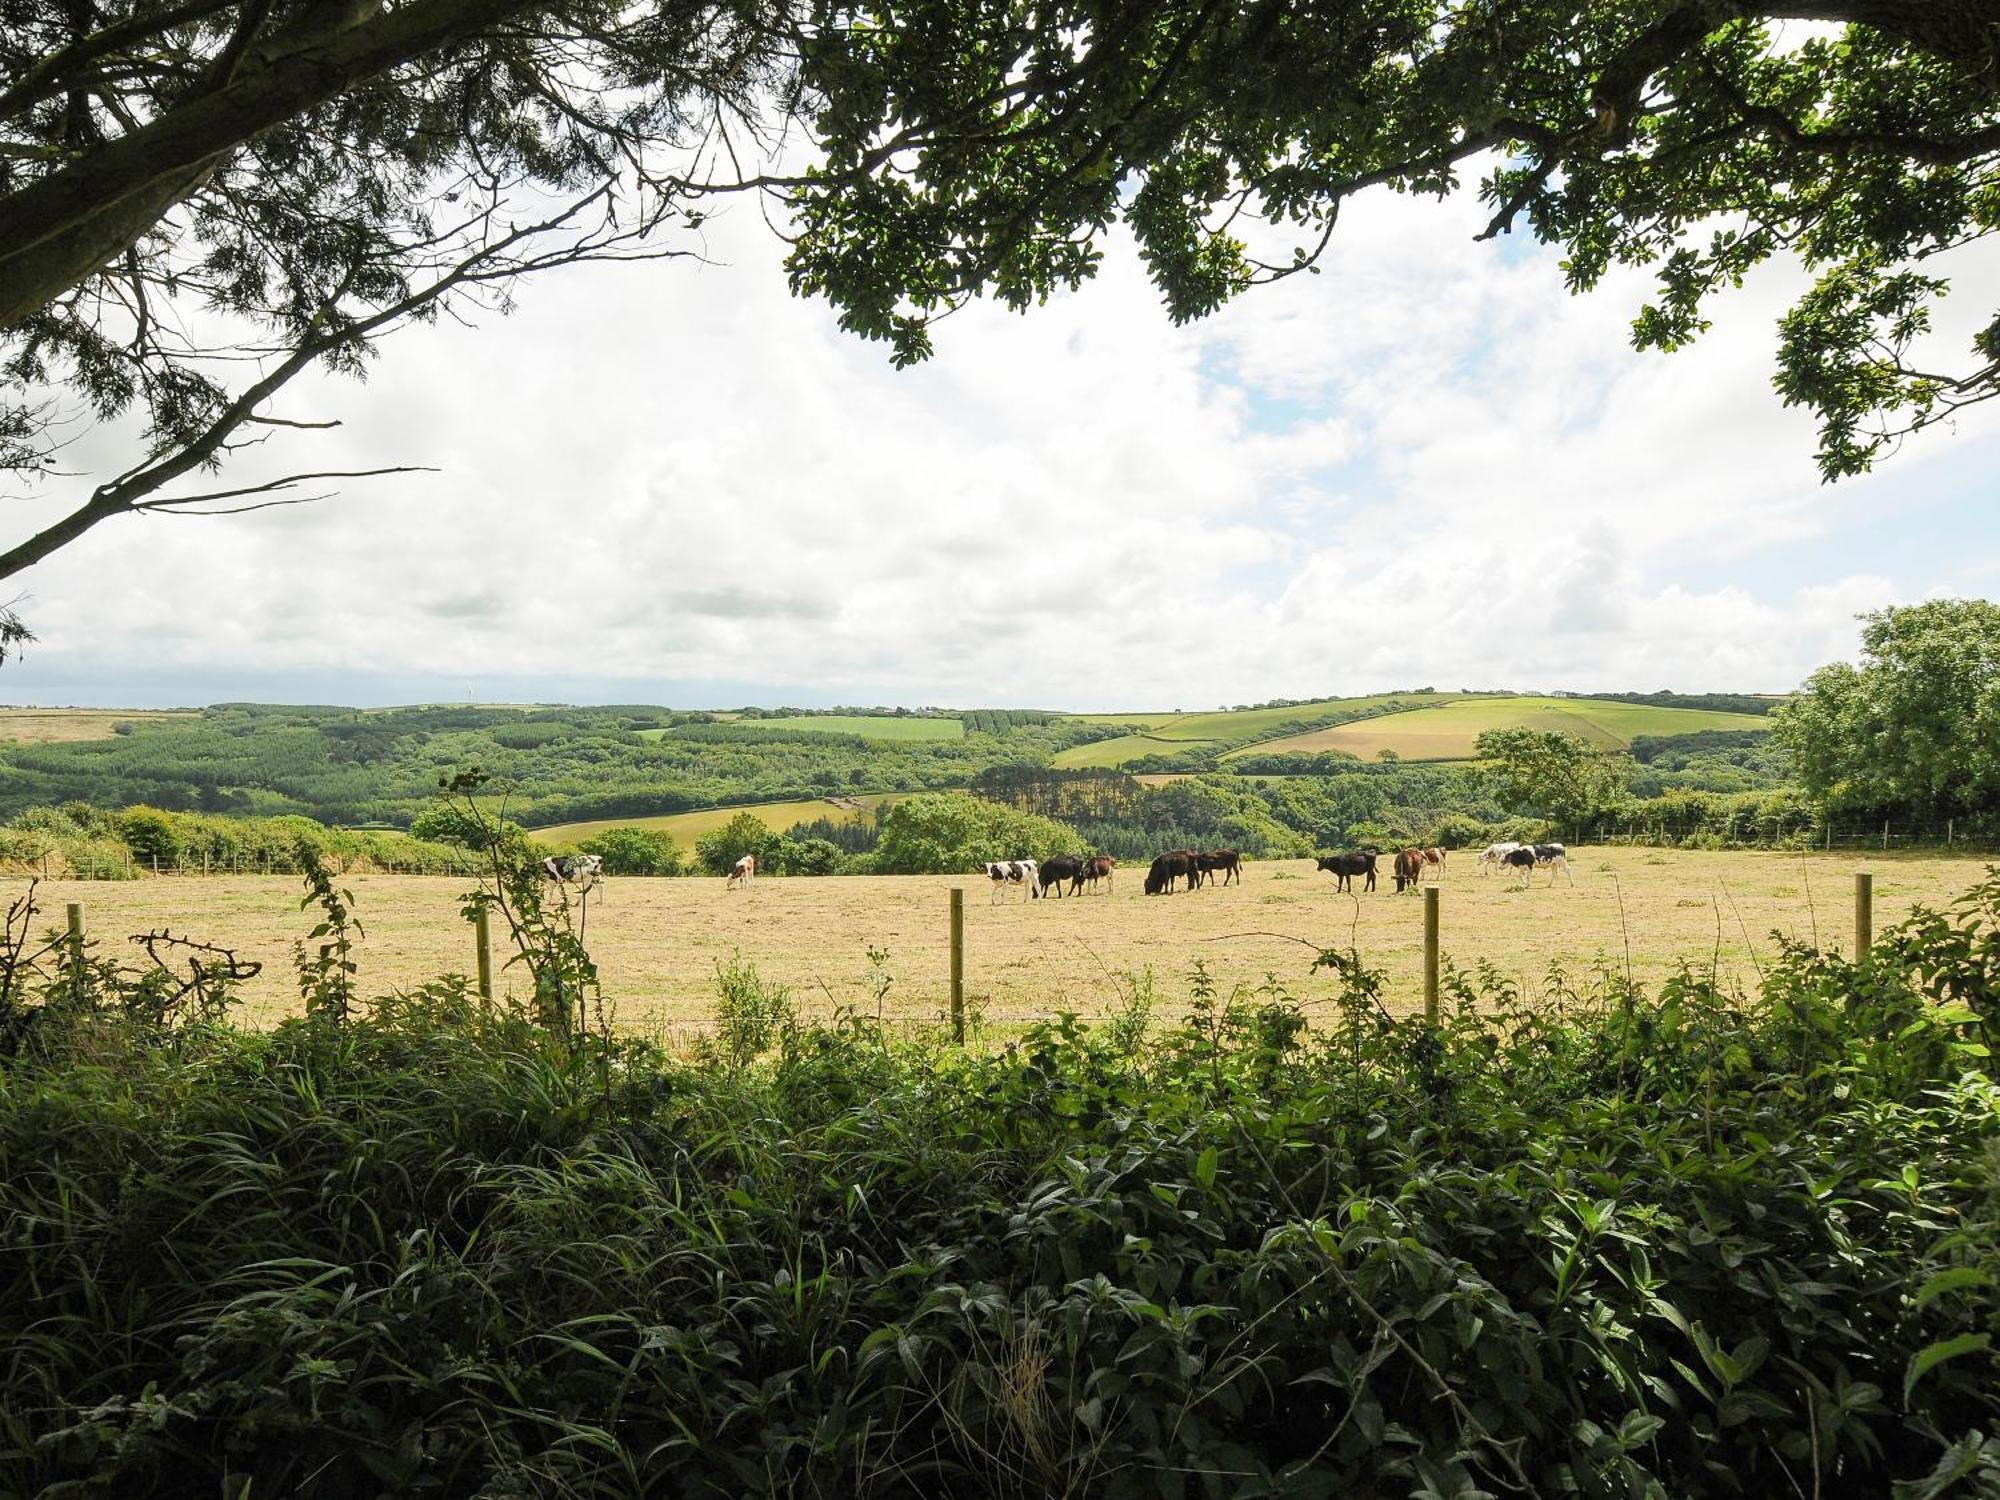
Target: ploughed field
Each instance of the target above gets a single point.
(658, 941)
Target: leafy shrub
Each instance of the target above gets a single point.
(750, 1012)
(746, 833)
(635, 851)
(1585, 1241)
(949, 833)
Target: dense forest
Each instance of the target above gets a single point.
(382, 766)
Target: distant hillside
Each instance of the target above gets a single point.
(1449, 731)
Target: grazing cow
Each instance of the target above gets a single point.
(742, 872)
(1521, 857)
(1409, 868)
(1493, 856)
(584, 872)
(1434, 859)
(1006, 872)
(1343, 867)
(1063, 868)
(1099, 867)
(1175, 864)
(1554, 857)
(1228, 861)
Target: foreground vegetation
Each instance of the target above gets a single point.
(1589, 1241)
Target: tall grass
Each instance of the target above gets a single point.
(1586, 1241)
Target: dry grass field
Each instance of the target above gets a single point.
(50, 725)
(658, 941)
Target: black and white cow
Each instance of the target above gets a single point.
(1006, 872)
(1521, 857)
(1494, 856)
(582, 873)
(1554, 857)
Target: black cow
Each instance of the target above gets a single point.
(1228, 861)
(1343, 867)
(1064, 867)
(1175, 864)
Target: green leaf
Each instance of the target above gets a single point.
(1204, 1167)
(1950, 1281)
(1933, 1355)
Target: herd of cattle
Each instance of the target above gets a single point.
(1196, 867)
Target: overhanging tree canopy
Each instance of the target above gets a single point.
(184, 183)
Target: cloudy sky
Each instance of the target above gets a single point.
(674, 483)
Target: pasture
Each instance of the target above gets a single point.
(686, 827)
(1449, 731)
(44, 726)
(658, 941)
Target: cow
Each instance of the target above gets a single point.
(1494, 856)
(1175, 864)
(1063, 868)
(1006, 872)
(1343, 867)
(583, 872)
(1434, 858)
(1554, 857)
(1228, 861)
(742, 872)
(1099, 867)
(1521, 857)
(1409, 869)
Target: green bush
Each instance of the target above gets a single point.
(635, 851)
(746, 833)
(951, 833)
(1586, 1241)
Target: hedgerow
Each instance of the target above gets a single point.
(1586, 1241)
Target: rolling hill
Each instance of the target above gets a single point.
(1449, 731)
(1427, 726)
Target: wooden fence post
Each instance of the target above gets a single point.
(75, 914)
(1864, 914)
(482, 933)
(1885, 833)
(1431, 955)
(958, 965)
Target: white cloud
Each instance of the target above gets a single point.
(1425, 465)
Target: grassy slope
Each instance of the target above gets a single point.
(686, 827)
(1448, 731)
(1162, 734)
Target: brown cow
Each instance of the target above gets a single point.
(1229, 861)
(1434, 858)
(1409, 868)
(1099, 867)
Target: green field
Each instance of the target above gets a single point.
(1163, 734)
(1113, 753)
(1448, 732)
(686, 827)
